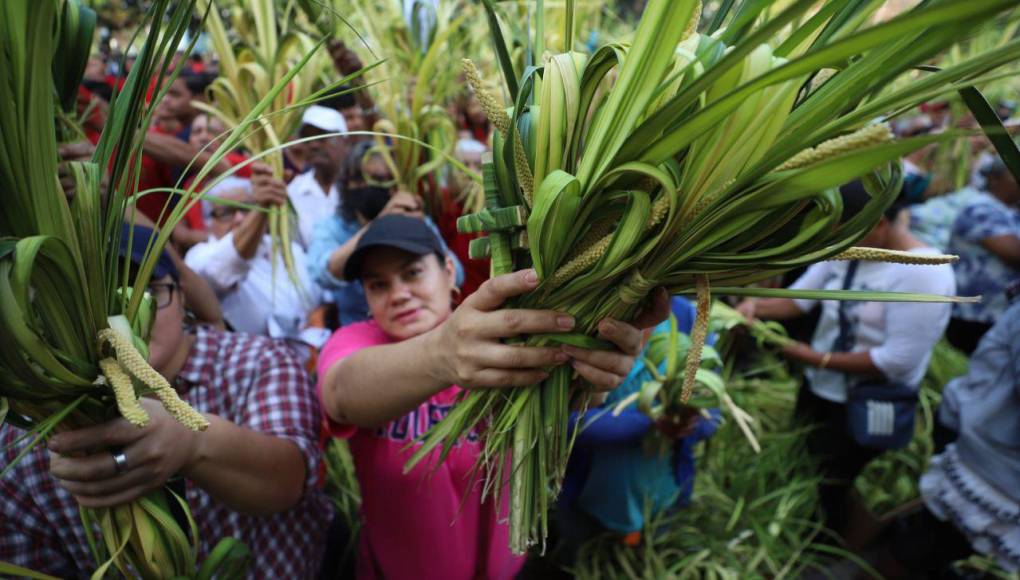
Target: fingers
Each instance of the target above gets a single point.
(77, 151)
(260, 170)
(105, 501)
(607, 361)
(626, 337)
(495, 291)
(502, 356)
(141, 476)
(506, 378)
(115, 433)
(512, 322)
(95, 467)
(600, 379)
(655, 310)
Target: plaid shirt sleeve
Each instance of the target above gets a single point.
(282, 402)
(30, 536)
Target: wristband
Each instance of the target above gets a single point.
(825, 360)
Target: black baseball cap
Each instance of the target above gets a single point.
(139, 237)
(403, 232)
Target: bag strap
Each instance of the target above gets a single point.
(844, 341)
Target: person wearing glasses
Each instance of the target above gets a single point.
(254, 474)
(253, 285)
(367, 192)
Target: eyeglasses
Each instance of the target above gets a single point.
(226, 213)
(162, 293)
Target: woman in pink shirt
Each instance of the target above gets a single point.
(384, 382)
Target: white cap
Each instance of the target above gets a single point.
(324, 119)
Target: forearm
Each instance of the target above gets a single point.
(250, 472)
(200, 296)
(776, 309)
(172, 151)
(379, 384)
(854, 363)
(338, 259)
(248, 234)
(186, 237)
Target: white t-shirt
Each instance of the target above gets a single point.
(899, 335)
(311, 204)
(253, 300)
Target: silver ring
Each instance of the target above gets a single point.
(119, 462)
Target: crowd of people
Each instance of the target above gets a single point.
(381, 318)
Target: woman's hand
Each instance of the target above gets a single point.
(404, 203)
(470, 353)
(606, 369)
(83, 460)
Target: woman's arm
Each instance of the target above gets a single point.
(466, 350)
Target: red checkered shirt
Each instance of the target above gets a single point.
(250, 380)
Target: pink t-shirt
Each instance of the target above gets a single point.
(419, 525)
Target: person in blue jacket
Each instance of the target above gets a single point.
(612, 481)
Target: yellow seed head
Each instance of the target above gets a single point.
(864, 137)
(692, 26)
(698, 334)
(124, 392)
(659, 210)
(131, 361)
(894, 257)
(586, 259)
(496, 114)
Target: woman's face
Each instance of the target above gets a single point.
(203, 130)
(168, 326)
(407, 294)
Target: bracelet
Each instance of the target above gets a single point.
(825, 360)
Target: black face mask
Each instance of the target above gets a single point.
(365, 201)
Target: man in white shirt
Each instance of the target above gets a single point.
(855, 341)
(258, 296)
(314, 193)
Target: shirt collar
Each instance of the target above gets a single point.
(198, 368)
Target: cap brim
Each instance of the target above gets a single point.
(352, 269)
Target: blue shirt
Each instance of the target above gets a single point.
(980, 272)
(329, 234)
(611, 476)
(984, 406)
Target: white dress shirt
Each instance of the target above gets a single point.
(898, 335)
(311, 203)
(253, 299)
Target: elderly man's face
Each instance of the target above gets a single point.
(327, 154)
(224, 217)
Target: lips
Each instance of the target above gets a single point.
(407, 316)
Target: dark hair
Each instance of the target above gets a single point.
(197, 82)
(366, 201)
(351, 170)
(341, 101)
(855, 197)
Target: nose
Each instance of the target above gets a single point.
(399, 293)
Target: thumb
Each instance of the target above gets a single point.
(495, 291)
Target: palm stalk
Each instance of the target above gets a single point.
(413, 86)
(73, 327)
(684, 159)
(250, 66)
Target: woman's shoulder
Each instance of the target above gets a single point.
(349, 339)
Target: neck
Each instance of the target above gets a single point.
(902, 240)
(175, 363)
(325, 179)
